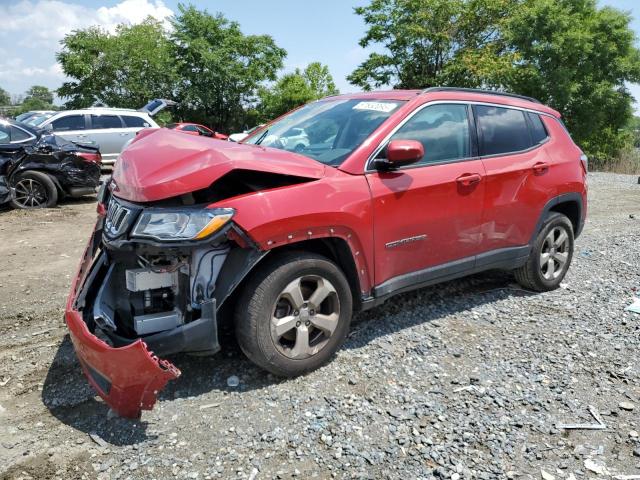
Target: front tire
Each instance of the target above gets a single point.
(550, 255)
(294, 314)
(34, 190)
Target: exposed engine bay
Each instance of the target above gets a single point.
(165, 295)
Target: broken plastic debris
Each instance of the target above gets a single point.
(546, 475)
(96, 438)
(635, 306)
(586, 426)
(596, 467)
(233, 381)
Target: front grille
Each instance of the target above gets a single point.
(118, 219)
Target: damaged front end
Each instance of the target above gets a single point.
(151, 283)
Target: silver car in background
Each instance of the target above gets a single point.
(108, 128)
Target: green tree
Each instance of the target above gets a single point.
(570, 54)
(425, 43)
(295, 89)
(577, 58)
(5, 98)
(125, 69)
(40, 93)
(220, 68)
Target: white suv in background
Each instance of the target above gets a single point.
(108, 128)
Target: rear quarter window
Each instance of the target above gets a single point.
(501, 130)
(538, 132)
(137, 122)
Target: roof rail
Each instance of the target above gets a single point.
(479, 90)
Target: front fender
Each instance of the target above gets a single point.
(338, 206)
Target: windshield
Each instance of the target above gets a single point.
(38, 119)
(328, 130)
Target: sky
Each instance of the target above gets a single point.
(327, 31)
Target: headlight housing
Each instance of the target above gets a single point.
(175, 225)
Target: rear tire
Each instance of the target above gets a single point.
(293, 314)
(34, 190)
(550, 255)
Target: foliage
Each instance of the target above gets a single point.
(295, 89)
(570, 54)
(433, 43)
(38, 92)
(220, 68)
(125, 69)
(5, 98)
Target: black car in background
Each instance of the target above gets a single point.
(37, 167)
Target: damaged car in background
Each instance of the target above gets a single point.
(401, 189)
(38, 168)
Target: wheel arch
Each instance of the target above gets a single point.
(336, 249)
(568, 204)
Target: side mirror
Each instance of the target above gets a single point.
(400, 153)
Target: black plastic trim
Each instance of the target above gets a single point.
(566, 197)
(504, 258)
(479, 90)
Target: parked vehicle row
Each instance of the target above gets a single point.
(37, 168)
(331, 209)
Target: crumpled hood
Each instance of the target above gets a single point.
(164, 163)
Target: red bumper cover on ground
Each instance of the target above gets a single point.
(127, 378)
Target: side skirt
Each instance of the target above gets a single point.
(504, 258)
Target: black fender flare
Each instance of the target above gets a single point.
(565, 197)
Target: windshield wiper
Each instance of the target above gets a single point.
(261, 138)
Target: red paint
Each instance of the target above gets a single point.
(446, 211)
(164, 164)
(181, 127)
(135, 374)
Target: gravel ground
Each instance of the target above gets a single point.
(468, 379)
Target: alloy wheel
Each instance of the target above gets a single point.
(555, 253)
(305, 316)
(30, 193)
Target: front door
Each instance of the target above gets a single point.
(427, 216)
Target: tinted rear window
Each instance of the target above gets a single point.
(68, 123)
(105, 121)
(538, 132)
(135, 122)
(501, 130)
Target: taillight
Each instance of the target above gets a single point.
(585, 162)
(90, 157)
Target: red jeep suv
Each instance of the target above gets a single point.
(391, 191)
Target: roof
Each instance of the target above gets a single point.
(453, 93)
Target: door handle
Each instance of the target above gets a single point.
(469, 179)
(540, 167)
(124, 134)
(82, 136)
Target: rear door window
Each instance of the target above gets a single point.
(105, 121)
(501, 130)
(189, 128)
(135, 122)
(68, 123)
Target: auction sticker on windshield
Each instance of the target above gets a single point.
(375, 106)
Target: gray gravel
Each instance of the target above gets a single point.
(463, 380)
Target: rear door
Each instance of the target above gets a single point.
(71, 127)
(519, 174)
(427, 215)
(132, 125)
(109, 133)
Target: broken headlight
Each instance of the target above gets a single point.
(168, 225)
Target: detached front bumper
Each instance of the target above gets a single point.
(128, 378)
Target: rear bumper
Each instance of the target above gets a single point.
(128, 378)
